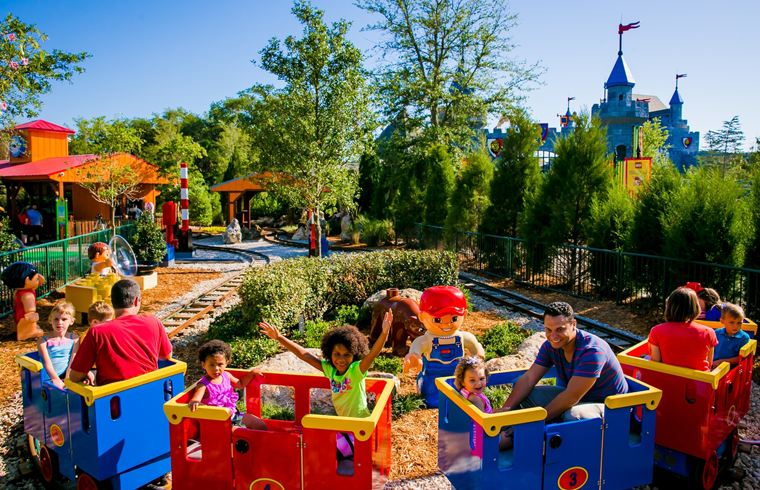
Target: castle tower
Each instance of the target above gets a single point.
(676, 107)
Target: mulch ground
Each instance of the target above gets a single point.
(172, 283)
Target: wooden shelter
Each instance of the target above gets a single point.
(240, 191)
(40, 163)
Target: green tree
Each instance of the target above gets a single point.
(440, 185)
(727, 142)
(428, 48)
(708, 219)
(611, 220)
(27, 71)
(470, 197)
(369, 176)
(654, 201)
(655, 147)
(753, 249)
(148, 241)
(7, 239)
(557, 212)
(516, 175)
(108, 176)
(309, 130)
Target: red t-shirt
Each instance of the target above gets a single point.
(684, 344)
(123, 348)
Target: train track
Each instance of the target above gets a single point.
(204, 304)
(619, 340)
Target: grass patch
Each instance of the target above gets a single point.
(502, 340)
(289, 228)
(497, 395)
(214, 229)
(385, 364)
(276, 412)
(405, 404)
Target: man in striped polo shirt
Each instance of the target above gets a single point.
(587, 371)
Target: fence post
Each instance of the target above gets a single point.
(64, 248)
(79, 242)
(480, 251)
(47, 264)
(509, 258)
(664, 283)
(619, 295)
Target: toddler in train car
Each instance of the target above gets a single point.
(680, 341)
(99, 312)
(217, 387)
(58, 349)
(709, 304)
(471, 379)
(731, 338)
(345, 363)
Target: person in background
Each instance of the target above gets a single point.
(680, 341)
(731, 338)
(35, 223)
(24, 223)
(709, 304)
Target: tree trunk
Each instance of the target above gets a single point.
(317, 234)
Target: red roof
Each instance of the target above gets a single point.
(48, 166)
(40, 125)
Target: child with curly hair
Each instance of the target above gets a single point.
(217, 387)
(346, 363)
(471, 379)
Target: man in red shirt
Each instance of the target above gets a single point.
(128, 346)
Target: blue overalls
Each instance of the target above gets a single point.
(440, 362)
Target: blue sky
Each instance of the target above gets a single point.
(153, 55)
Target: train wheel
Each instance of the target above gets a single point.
(86, 482)
(705, 472)
(45, 460)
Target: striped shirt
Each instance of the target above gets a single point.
(592, 358)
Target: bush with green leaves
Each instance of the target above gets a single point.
(375, 232)
(270, 411)
(7, 239)
(347, 315)
(267, 204)
(313, 331)
(497, 394)
(280, 292)
(250, 352)
(404, 404)
(470, 196)
(502, 339)
(148, 241)
(386, 364)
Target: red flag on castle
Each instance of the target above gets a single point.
(633, 25)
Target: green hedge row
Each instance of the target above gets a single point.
(280, 292)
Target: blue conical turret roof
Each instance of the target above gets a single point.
(621, 75)
(676, 99)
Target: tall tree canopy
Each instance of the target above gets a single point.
(27, 70)
(446, 64)
(308, 131)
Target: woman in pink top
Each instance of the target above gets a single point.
(680, 341)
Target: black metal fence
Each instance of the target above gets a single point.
(643, 282)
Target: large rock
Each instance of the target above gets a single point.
(233, 234)
(300, 234)
(522, 359)
(404, 293)
(265, 221)
(321, 399)
(345, 226)
(250, 233)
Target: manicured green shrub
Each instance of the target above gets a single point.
(497, 394)
(405, 404)
(470, 197)
(386, 364)
(347, 315)
(148, 241)
(375, 232)
(247, 353)
(276, 412)
(229, 325)
(313, 331)
(280, 292)
(502, 339)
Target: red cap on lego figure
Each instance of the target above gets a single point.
(443, 300)
(695, 286)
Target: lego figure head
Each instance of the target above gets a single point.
(443, 310)
(22, 275)
(99, 252)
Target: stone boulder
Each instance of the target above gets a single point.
(250, 233)
(300, 234)
(265, 221)
(522, 359)
(345, 226)
(404, 293)
(321, 399)
(233, 234)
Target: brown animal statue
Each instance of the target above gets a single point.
(406, 324)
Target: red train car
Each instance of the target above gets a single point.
(206, 452)
(696, 433)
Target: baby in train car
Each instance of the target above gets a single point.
(58, 349)
(680, 341)
(731, 338)
(471, 379)
(709, 304)
(346, 362)
(217, 387)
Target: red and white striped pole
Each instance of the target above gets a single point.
(183, 197)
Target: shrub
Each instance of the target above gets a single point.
(470, 196)
(497, 395)
(247, 353)
(347, 315)
(276, 412)
(405, 404)
(148, 241)
(385, 364)
(266, 204)
(229, 325)
(375, 232)
(281, 291)
(313, 331)
(502, 339)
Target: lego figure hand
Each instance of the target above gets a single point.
(32, 316)
(412, 361)
(193, 405)
(269, 330)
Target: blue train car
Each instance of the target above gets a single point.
(114, 436)
(615, 452)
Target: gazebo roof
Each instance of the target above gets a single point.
(59, 169)
(40, 125)
(250, 182)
